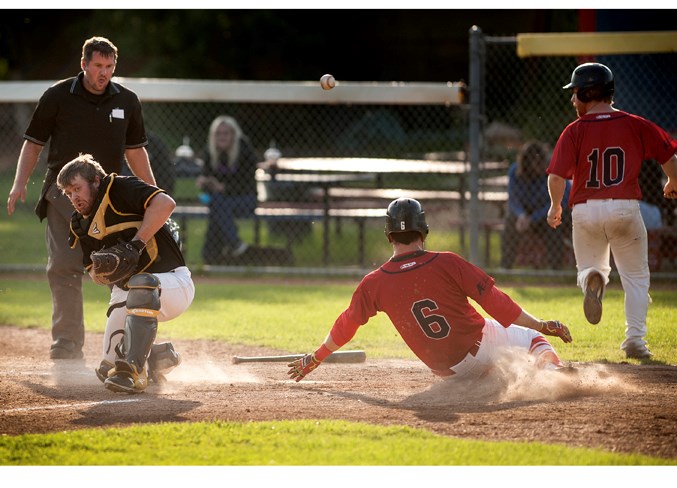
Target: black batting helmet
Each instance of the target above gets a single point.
(405, 215)
(594, 81)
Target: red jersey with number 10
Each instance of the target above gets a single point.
(603, 154)
(425, 295)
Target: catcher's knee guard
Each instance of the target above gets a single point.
(143, 307)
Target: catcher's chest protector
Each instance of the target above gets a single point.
(106, 226)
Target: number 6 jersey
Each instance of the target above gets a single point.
(425, 295)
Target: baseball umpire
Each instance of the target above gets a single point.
(602, 151)
(121, 223)
(425, 295)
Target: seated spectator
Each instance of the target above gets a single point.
(528, 204)
(656, 209)
(229, 184)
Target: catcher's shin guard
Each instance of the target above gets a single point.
(143, 306)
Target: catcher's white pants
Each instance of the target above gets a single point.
(497, 342)
(178, 291)
(616, 226)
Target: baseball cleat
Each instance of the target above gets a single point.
(570, 370)
(637, 352)
(126, 379)
(592, 303)
(103, 370)
(65, 349)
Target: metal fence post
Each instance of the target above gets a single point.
(473, 210)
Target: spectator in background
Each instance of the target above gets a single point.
(228, 180)
(656, 210)
(528, 204)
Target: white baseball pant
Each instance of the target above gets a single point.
(616, 226)
(497, 341)
(178, 291)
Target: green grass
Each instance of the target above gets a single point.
(296, 317)
(301, 314)
(299, 443)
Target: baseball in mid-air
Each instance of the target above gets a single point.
(327, 82)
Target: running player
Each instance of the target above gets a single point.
(602, 152)
(425, 295)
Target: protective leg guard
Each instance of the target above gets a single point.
(143, 306)
(162, 359)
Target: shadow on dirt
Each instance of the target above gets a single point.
(510, 385)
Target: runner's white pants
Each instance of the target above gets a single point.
(497, 341)
(616, 226)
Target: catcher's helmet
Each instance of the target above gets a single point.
(593, 80)
(404, 215)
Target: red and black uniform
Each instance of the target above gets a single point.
(603, 154)
(425, 295)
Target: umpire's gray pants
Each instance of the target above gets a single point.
(64, 270)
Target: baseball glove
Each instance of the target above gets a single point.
(114, 265)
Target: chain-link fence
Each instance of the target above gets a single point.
(339, 131)
(517, 100)
(523, 102)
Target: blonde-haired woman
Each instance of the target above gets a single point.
(229, 181)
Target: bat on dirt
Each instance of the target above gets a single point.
(345, 357)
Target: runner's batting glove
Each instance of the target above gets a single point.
(555, 328)
(301, 367)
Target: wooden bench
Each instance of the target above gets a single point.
(357, 204)
(383, 196)
(289, 211)
(304, 213)
(429, 199)
(183, 214)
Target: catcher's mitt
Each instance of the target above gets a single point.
(114, 265)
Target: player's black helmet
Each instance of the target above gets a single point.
(593, 80)
(404, 215)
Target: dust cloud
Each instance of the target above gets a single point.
(516, 379)
(211, 372)
(520, 380)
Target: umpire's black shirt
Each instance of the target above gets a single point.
(78, 121)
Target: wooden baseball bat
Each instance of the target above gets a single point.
(345, 357)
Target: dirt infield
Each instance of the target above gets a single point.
(620, 407)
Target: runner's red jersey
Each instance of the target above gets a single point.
(425, 295)
(603, 154)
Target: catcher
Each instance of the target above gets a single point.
(425, 295)
(123, 226)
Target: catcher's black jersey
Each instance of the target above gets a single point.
(117, 214)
